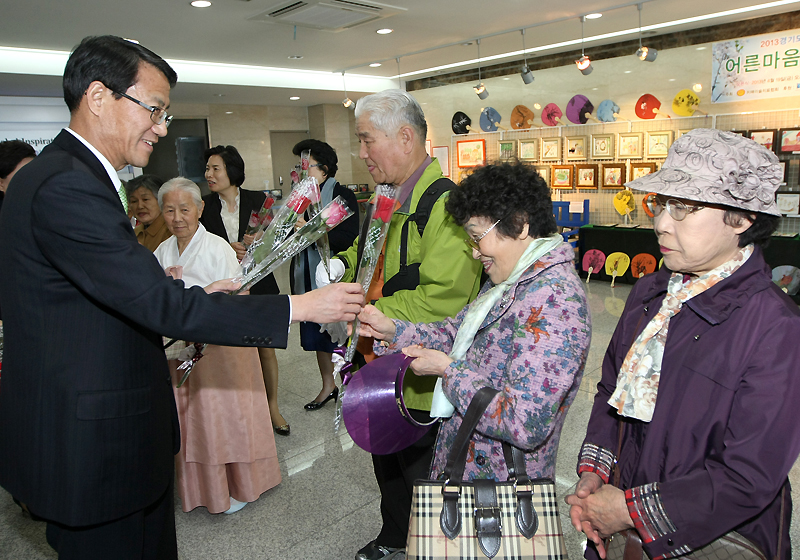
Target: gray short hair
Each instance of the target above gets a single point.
(181, 184)
(391, 109)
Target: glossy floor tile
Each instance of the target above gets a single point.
(327, 505)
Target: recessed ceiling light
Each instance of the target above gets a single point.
(219, 95)
(701, 48)
(228, 112)
(672, 79)
(294, 98)
(295, 56)
(593, 16)
(374, 64)
(201, 3)
(594, 89)
(627, 71)
(384, 31)
(506, 79)
(698, 87)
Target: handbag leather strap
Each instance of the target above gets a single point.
(457, 458)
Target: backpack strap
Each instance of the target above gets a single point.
(421, 215)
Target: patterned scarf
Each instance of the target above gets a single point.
(479, 310)
(640, 373)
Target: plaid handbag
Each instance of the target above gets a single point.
(470, 520)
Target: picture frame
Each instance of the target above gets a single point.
(766, 137)
(544, 172)
(744, 133)
(789, 141)
(529, 149)
(640, 169)
(551, 149)
(562, 176)
(658, 143)
(681, 132)
(788, 204)
(471, 153)
(353, 187)
(575, 147)
(586, 176)
(277, 194)
(506, 149)
(613, 175)
(602, 146)
(630, 145)
(442, 154)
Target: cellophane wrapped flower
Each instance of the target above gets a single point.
(284, 221)
(262, 217)
(331, 216)
(380, 215)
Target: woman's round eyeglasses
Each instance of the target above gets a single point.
(675, 208)
(475, 243)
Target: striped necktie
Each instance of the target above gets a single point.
(123, 197)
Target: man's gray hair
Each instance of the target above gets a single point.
(181, 184)
(391, 109)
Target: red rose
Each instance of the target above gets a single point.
(254, 219)
(268, 203)
(384, 206)
(300, 204)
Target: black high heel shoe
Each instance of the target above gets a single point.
(314, 405)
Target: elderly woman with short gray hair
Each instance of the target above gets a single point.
(226, 458)
(694, 426)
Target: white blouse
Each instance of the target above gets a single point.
(206, 259)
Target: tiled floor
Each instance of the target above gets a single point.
(327, 505)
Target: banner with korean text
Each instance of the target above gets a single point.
(758, 67)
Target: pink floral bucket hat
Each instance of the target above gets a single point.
(717, 167)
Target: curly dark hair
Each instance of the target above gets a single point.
(511, 192)
(234, 164)
(322, 152)
(759, 233)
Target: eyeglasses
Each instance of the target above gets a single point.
(475, 243)
(315, 165)
(157, 114)
(677, 209)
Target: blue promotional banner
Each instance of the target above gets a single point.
(758, 67)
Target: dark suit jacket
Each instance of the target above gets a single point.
(212, 220)
(88, 426)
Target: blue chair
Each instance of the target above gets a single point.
(570, 223)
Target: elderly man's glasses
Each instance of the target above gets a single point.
(677, 209)
(475, 243)
(157, 114)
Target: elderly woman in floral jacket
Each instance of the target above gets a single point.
(527, 334)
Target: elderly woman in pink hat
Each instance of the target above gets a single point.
(694, 426)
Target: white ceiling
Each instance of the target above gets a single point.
(225, 33)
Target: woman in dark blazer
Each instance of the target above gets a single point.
(227, 211)
(323, 166)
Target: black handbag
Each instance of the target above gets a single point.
(453, 518)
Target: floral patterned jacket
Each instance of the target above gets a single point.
(532, 347)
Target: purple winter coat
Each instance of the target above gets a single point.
(724, 432)
(532, 347)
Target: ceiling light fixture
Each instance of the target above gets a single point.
(583, 63)
(399, 83)
(293, 98)
(384, 31)
(480, 89)
(526, 74)
(374, 64)
(347, 102)
(644, 53)
(697, 87)
(201, 3)
(595, 15)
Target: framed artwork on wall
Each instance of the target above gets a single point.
(766, 137)
(442, 155)
(602, 146)
(613, 175)
(562, 177)
(576, 147)
(630, 145)
(658, 143)
(789, 141)
(506, 149)
(586, 176)
(641, 169)
(529, 149)
(551, 149)
(471, 153)
(544, 172)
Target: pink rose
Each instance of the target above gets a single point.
(334, 214)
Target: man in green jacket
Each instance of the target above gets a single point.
(441, 278)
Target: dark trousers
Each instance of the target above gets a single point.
(147, 534)
(396, 474)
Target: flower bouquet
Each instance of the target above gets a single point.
(331, 216)
(379, 215)
(323, 246)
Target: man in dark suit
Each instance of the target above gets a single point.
(88, 426)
